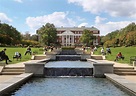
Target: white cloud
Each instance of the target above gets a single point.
(20, 1)
(57, 18)
(113, 7)
(79, 18)
(83, 24)
(99, 19)
(4, 18)
(111, 26)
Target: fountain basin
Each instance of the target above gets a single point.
(68, 68)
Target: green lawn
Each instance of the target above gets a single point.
(11, 51)
(127, 52)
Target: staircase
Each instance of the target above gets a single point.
(38, 57)
(97, 57)
(12, 70)
(124, 71)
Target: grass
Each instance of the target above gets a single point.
(127, 52)
(11, 51)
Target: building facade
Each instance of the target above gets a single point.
(70, 36)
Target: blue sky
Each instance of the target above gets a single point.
(106, 15)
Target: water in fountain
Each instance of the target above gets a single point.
(68, 55)
(68, 68)
(74, 86)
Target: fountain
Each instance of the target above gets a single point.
(68, 55)
(80, 83)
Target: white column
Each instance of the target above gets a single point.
(62, 40)
(66, 40)
(69, 39)
(73, 40)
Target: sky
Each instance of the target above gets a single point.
(105, 15)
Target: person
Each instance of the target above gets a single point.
(83, 48)
(108, 50)
(28, 50)
(17, 55)
(119, 56)
(102, 51)
(51, 48)
(3, 56)
(45, 48)
(95, 48)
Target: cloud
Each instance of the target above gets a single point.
(126, 8)
(19, 1)
(83, 24)
(99, 19)
(57, 18)
(108, 27)
(4, 18)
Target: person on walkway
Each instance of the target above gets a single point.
(3, 56)
(28, 50)
(119, 56)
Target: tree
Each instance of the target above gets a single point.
(48, 34)
(34, 37)
(87, 38)
(9, 34)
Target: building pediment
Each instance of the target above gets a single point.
(67, 32)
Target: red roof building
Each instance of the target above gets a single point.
(69, 36)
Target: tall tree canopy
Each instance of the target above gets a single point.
(9, 35)
(123, 37)
(87, 38)
(48, 34)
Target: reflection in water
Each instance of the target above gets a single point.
(74, 86)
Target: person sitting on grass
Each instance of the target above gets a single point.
(95, 48)
(119, 56)
(102, 51)
(17, 55)
(3, 56)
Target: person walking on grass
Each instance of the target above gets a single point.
(108, 50)
(3, 56)
(28, 50)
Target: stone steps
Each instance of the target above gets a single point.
(12, 70)
(129, 67)
(124, 71)
(39, 57)
(97, 57)
(11, 73)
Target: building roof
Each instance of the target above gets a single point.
(76, 28)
